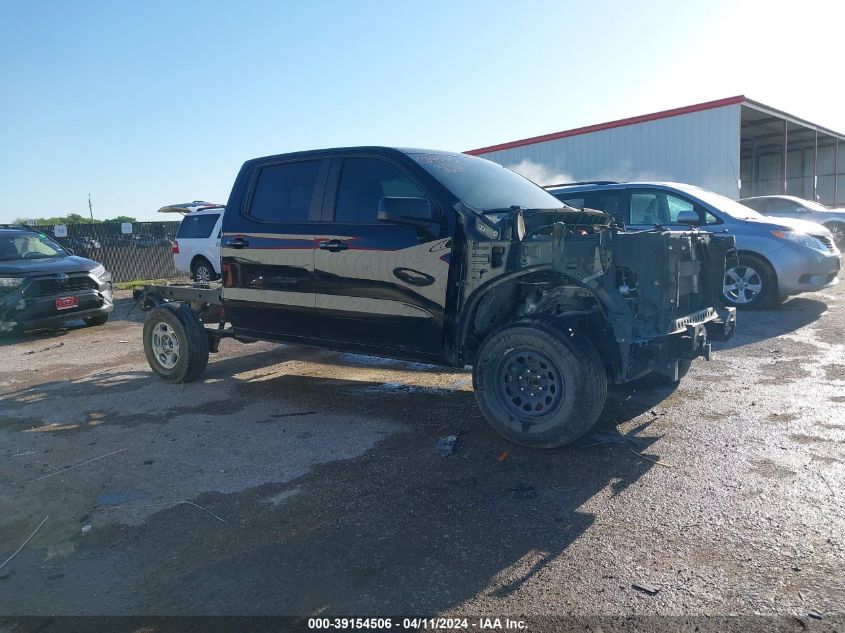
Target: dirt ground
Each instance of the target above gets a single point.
(298, 481)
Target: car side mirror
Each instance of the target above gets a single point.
(405, 210)
(690, 218)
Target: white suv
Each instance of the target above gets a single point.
(196, 249)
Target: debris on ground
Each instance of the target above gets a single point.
(130, 506)
(288, 415)
(601, 438)
(28, 539)
(502, 456)
(87, 461)
(446, 445)
(653, 461)
(86, 529)
(815, 615)
(44, 349)
(646, 587)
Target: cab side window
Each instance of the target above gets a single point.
(363, 183)
(284, 192)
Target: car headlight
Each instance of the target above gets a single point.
(10, 283)
(800, 238)
(99, 271)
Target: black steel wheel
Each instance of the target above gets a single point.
(539, 385)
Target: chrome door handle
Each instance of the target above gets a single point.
(238, 242)
(333, 246)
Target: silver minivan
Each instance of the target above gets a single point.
(778, 257)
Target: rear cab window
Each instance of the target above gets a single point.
(289, 192)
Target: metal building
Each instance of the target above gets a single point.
(733, 146)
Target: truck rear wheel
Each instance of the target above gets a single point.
(539, 385)
(175, 343)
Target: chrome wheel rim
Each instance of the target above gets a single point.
(165, 345)
(530, 385)
(742, 285)
(837, 233)
(202, 273)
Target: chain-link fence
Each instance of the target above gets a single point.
(143, 253)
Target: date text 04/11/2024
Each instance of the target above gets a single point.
(482, 623)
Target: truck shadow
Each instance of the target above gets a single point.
(399, 529)
(757, 325)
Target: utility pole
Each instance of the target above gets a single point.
(90, 208)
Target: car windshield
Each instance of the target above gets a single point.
(723, 204)
(485, 185)
(16, 245)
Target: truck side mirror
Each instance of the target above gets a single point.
(688, 217)
(405, 210)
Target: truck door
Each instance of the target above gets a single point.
(380, 284)
(267, 249)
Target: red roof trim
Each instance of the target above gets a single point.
(665, 114)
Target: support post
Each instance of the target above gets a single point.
(785, 130)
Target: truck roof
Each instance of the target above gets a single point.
(377, 149)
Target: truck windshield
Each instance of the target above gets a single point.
(24, 245)
(485, 185)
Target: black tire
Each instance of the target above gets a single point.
(202, 270)
(565, 369)
(760, 284)
(175, 343)
(100, 319)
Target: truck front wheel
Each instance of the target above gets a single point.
(175, 343)
(539, 385)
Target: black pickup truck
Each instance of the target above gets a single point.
(449, 259)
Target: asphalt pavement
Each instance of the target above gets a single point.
(298, 481)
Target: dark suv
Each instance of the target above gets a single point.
(454, 260)
(42, 284)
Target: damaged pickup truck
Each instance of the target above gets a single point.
(454, 260)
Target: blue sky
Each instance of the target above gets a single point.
(147, 103)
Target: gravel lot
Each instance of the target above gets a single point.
(299, 481)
